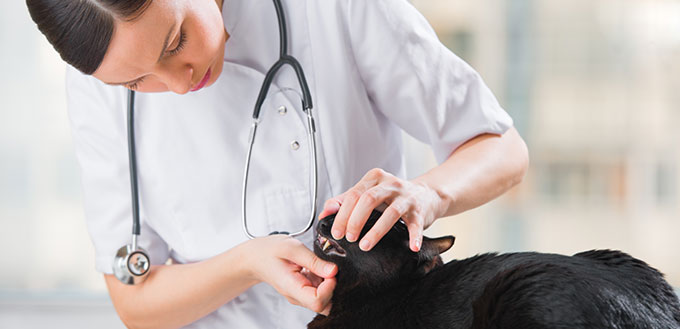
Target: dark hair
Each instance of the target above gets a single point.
(81, 30)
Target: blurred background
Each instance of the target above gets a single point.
(593, 87)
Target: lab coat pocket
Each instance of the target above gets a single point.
(287, 209)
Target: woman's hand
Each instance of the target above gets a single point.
(478, 171)
(293, 270)
(413, 201)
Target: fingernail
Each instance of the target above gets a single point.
(336, 233)
(351, 237)
(365, 245)
(328, 268)
(418, 243)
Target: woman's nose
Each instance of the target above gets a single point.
(178, 80)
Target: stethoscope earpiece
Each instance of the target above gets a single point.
(131, 266)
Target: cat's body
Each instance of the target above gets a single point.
(401, 289)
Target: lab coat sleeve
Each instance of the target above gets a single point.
(415, 81)
(97, 115)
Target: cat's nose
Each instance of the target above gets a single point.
(325, 225)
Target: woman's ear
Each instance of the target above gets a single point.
(428, 256)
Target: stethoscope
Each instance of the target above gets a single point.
(131, 264)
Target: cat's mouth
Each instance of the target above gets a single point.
(329, 246)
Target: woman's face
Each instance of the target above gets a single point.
(175, 45)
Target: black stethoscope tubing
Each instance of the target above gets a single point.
(284, 59)
(132, 156)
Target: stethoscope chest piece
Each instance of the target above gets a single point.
(131, 265)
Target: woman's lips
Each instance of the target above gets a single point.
(203, 81)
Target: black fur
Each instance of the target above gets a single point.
(392, 287)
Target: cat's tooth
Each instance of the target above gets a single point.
(326, 245)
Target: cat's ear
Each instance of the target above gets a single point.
(436, 246)
(428, 256)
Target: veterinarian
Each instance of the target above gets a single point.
(373, 68)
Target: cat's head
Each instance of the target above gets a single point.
(388, 263)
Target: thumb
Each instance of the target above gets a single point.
(306, 258)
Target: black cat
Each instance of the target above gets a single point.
(392, 287)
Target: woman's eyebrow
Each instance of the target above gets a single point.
(165, 47)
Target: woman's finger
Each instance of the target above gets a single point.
(391, 215)
(350, 199)
(313, 278)
(308, 297)
(316, 298)
(331, 206)
(415, 233)
(368, 201)
(300, 255)
(325, 292)
(293, 278)
(327, 310)
(299, 290)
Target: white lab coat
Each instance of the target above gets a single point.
(374, 68)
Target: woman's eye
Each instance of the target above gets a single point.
(135, 84)
(180, 44)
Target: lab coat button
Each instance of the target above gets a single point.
(283, 110)
(295, 145)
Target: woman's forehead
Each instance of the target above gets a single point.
(136, 45)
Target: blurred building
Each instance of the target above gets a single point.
(593, 87)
